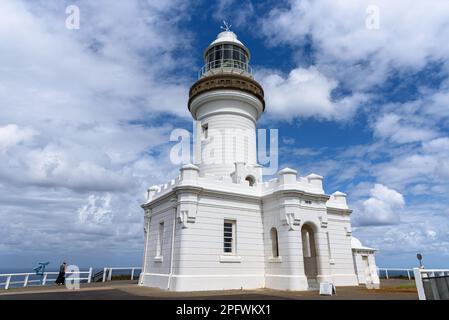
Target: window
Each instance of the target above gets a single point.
(225, 56)
(205, 130)
(306, 248)
(229, 236)
(160, 239)
(329, 245)
(250, 180)
(274, 243)
(308, 202)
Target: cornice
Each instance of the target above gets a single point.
(227, 81)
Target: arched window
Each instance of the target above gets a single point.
(274, 243)
(250, 180)
(309, 251)
(308, 241)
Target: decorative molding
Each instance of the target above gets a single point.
(339, 211)
(299, 206)
(159, 198)
(158, 259)
(292, 221)
(156, 213)
(298, 193)
(323, 221)
(187, 208)
(344, 220)
(226, 81)
(225, 206)
(229, 195)
(184, 218)
(348, 231)
(225, 258)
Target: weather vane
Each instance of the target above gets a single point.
(226, 26)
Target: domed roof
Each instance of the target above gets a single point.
(227, 37)
(356, 244)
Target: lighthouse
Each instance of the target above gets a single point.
(226, 103)
(219, 225)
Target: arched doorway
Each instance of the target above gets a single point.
(310, 255)
(251, 180)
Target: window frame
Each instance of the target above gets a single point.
(233, 237)
(227, 56)
(274, 243)
(205, 131)
(160, 239)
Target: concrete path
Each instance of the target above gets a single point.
(129, 290)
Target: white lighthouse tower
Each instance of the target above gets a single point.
(218, 225)
(226, 102)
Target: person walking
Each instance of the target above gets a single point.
(61, 276)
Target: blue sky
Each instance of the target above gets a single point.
(85, 116)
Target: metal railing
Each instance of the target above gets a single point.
(229, 65)
(409, 272)
(25, 280)
(432, 284)
(107, 272)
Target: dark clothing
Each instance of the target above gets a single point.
(61, 275)
(61, 278)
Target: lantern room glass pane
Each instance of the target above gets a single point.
(226, 56)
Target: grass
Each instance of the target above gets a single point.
(408, 287)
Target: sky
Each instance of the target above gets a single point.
(359, 91)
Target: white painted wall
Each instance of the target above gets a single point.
(362, 270)
(155, 268)
(199, 261)
(231, 117)
(342, 265)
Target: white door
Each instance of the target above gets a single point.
(368, 278)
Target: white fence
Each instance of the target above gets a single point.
(27, 279)
(409, 272)
(24, 278)
(107, 272)
(432, 284)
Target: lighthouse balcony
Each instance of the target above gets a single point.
(225, 66)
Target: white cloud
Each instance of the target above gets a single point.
(439, 145)
(305, 93)
(382, 208)
(349, 54)
(235, 12)
(81, 116)
(409, 36)
(97, 210)
(409, 151)
(288, 140)
(394, 127)
(11, 135)
(414, 168)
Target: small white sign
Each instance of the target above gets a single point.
(326, 289)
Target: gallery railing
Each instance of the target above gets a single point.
(228, 65)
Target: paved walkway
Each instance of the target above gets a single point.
(392, 289)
